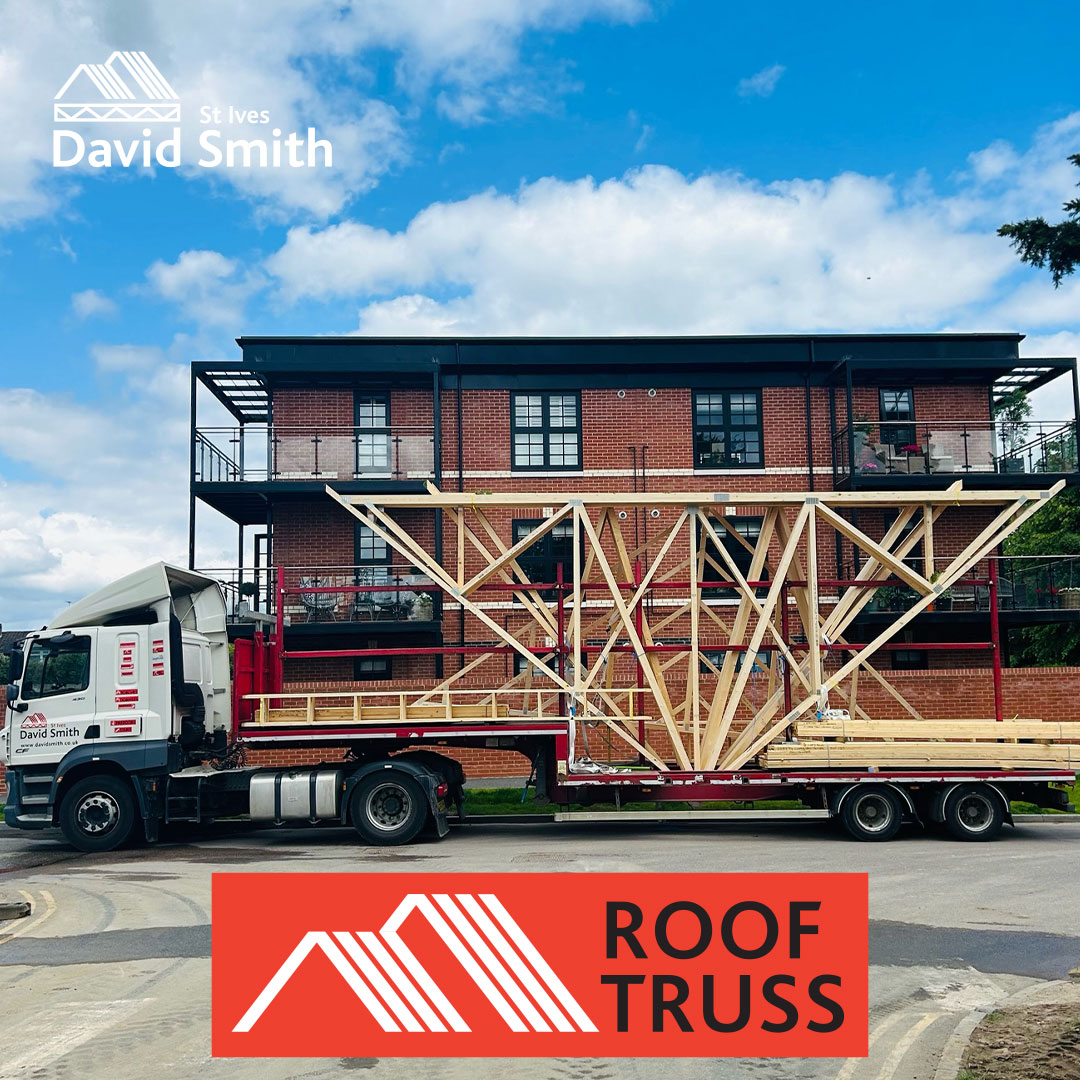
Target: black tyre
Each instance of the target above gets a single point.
(973, 812)
(98, 813)
(872, 813)
(388, 807)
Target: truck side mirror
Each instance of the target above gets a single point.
(12, 693)
(17, 658)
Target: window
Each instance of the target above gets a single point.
(727, 429)
(369, 547)
(909, 660)
(545, 431)
(369, 668)
(716, 658)
(371, 419)
(897, 412)
(540, 562)
(749, 528)
(57, 666)
(520, 664)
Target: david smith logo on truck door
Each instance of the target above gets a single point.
(539, 965)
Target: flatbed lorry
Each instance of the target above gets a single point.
(121, 719)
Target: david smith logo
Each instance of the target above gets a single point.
(128, 88)
(539, 965)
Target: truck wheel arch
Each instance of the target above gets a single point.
(125, 761)
(841, 792)
(67, 779)
(427, 780)
(938, 811)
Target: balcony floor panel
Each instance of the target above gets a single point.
(245, 501)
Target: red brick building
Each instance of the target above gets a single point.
(378, 416)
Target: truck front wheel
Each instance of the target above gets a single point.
(98, 813)
(388, 808)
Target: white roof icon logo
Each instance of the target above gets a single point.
(128, 87)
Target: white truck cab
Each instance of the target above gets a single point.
(129, 677)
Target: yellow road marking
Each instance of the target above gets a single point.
(26, 927)
(892, 1062)
(852, 1064)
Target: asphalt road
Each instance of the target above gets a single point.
(110, 976)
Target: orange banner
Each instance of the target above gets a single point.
(539, 965)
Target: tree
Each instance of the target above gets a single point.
(1012, 413)
(1054, 530)
(1042, 244)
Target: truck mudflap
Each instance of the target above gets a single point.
(420, 772)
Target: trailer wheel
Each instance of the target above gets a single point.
(872, 813)
(388, 808)
(973, 812)
(98, 813)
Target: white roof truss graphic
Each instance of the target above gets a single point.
(388, 978)
(113, 80)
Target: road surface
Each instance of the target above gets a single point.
(110, 976)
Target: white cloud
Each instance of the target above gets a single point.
(208, 288)
(644, 138)
(659, 252)
(100, 489)
(762, 83)
(284, 57)
(655, 251)
(90, 303)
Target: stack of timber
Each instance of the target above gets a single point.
(978, 744)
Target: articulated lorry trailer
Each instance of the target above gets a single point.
(125, 714)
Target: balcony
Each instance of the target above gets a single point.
(260, 453)
(909, 453)
(1025, 584)
(332, 599)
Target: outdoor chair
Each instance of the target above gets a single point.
(319, 606)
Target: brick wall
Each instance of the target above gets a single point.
(318, 533)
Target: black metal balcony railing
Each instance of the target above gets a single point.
(259, 452)
(1024, 583)
(332, 594)
(954, 447)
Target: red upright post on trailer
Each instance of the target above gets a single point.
(278, 676)
(995, 639)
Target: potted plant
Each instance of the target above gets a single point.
(944, 599)
(423, 608)
(889, 597)
(248, 588)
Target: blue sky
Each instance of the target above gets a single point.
(500, 166)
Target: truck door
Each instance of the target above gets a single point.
(56, 703)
